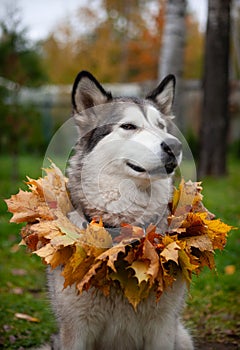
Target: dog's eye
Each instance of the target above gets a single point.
(161, 125)
(128, 126)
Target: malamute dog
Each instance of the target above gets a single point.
(122, 172)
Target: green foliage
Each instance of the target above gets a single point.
(20, 65)
(22, 126)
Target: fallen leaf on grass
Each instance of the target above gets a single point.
(26, 317)
(230, 269)
(18, 272)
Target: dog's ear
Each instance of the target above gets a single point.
(163, 95)
(87, 92)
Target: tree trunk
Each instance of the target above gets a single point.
(215, 119)
(171, 57)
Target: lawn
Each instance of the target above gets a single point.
(213, 311)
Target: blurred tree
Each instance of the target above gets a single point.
(144, 50)
(215, 117)
(120, 41)
(20, 63)
(171, 58)
(120, 46)
(194, 47)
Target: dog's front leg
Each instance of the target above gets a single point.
(81, 318)
(159, 337)
(72, 338)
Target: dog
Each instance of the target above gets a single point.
(121, 171)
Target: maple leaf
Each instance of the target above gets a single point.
(170, 252)
(186, 266)
(85, 281)
(159, 283)
(140, 269)
(203, 242)
(74, 270)
(133, 291)
(97, 236)
(206, 258)
(217, 231)
(149, 253)
(52, 188)
(128, 231)
(28, 207)
(140, 262)
(184, 198)
(111, 255)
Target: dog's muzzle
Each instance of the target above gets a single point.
(172, 149)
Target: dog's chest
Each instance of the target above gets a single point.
(128, 204)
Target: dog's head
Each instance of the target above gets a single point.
(123, 141)
(133, 132)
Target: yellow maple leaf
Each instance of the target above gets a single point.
(97, 236)
(217, 231)
(140, 269)
(133, 291)
(186, 266)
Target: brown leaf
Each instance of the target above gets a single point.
(28, 207)
(149, 253)
(85, 281)
(111, 255)
(207, 259)
(202, 242)
(128, 232)
(170, 252)
(188, 195)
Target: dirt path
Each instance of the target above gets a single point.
(218, 346)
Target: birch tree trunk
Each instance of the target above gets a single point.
(171, 58)
(215, 118)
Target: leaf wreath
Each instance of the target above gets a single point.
(136, 260)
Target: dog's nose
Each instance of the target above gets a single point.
(172, 147)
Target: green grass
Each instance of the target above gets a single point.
(213, 309)
(22, 276)
(212, 312)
